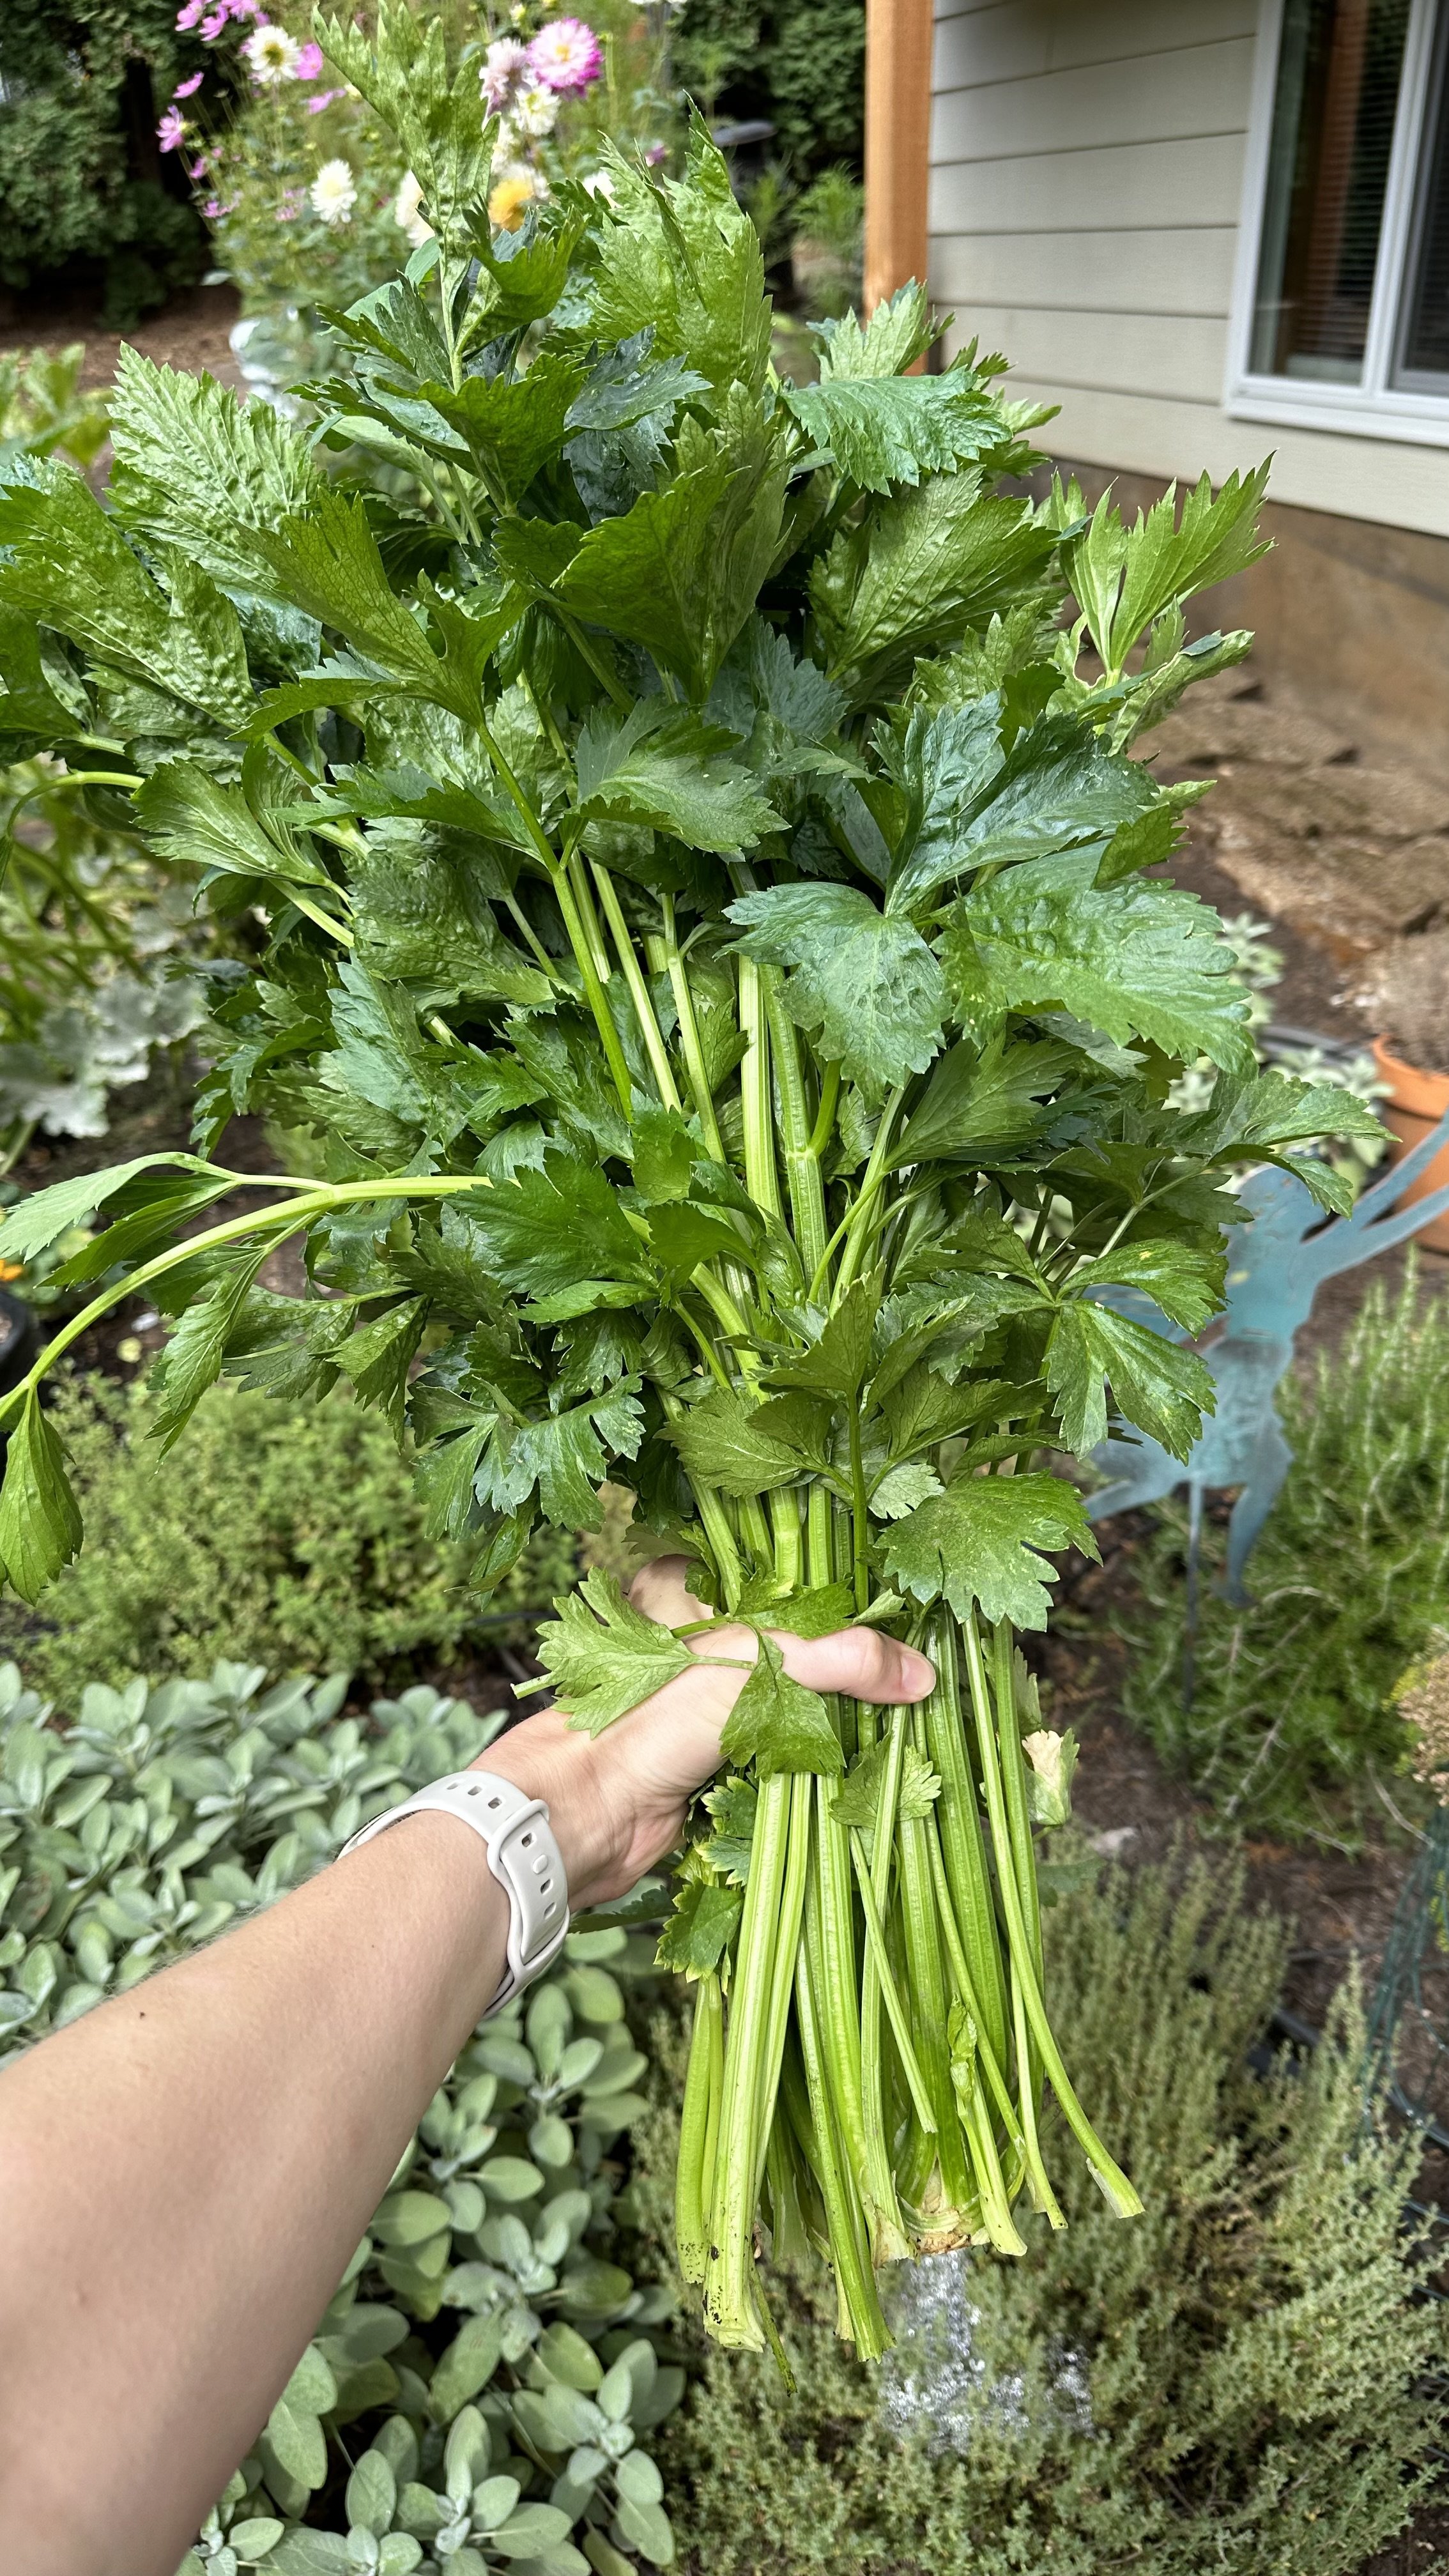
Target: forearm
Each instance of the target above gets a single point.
(185, 2174)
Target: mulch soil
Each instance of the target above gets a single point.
(192, 332)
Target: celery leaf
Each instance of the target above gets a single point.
(603, 1656)
(978, 1541)
(1164, 1389)
(778, 1724)
(1139, 959)
(864, 980)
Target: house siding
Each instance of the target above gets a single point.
(1085, 195)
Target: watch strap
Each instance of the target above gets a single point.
(522, 1855)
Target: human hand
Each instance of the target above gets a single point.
(617, 1801)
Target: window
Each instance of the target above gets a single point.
(1343, 301)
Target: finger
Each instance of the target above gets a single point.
(861, 1664)
(661, 1590)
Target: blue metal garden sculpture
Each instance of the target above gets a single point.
(1275, 1268)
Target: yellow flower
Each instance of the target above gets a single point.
(505, 206)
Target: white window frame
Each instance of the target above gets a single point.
(1374, 408)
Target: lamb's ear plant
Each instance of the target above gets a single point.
(728, 1025)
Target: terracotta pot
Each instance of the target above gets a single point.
(1416, 1102)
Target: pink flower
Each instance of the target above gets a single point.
(189, 88)
(218, 17)
(323, 98)
(308, 65)
(212, 209)
(171, 129)
(566, 54)
(199, 167)
(656, 153)
(504, 66)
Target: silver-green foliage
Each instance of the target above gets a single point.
(484, 2363)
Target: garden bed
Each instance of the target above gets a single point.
(192, 331)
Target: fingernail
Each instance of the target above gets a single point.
(918, 1675)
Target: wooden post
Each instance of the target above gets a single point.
(897, 142)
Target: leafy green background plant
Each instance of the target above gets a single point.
(93, 934)
(799, 62)
(1292, 1721)
(478, 2387)
(43, 406)
(296, 1539)
(98, 947)
(1256, 2369)
(828, 221)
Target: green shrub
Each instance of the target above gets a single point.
(1291, 1720)
(95, 943)
(292, 1536)
(1233, 2381)
(80, 176)
(830, 243)
(799, 62)
(483, 2315)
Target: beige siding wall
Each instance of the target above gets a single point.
(1086, 182)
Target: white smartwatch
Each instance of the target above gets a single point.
(522, 1855)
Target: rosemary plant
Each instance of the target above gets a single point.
(726, 1028)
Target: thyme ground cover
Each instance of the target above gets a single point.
(728, 1029)
(1293, 1730)
(1246, 2382)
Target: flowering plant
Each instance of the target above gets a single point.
(300, 182)
(562, 89)
(307, 192)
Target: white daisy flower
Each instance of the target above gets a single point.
(271, 55)
(334, 192)
(407, 212)
(535, 109)
(599, 184)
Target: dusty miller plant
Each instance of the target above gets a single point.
(713, 962)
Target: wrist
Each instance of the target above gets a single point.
(586, 1791)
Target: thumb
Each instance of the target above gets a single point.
(860, 1663)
